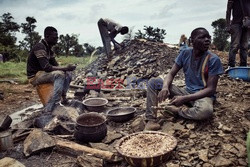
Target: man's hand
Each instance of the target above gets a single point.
(71, 67)
(178, 100)
(163, 94)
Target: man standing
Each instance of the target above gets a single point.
(202, 69)
(239, 34)
(42, 67)
(108, 30)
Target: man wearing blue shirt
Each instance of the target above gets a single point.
(201, 69)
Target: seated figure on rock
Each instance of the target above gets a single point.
(43, 68)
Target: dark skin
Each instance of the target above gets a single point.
(201, 42)
(52, 39)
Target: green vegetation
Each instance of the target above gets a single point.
(17, 71)
(13, 71)
(151, 34)
(80, 61)
(220, 35)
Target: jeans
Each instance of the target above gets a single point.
(106, 40)
(239, 40)
(200, 109)
(61, 82)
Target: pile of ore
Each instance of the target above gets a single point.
(139, 59)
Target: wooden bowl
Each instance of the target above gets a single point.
(146, 149)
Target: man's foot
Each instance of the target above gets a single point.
(170, 110)
(152, 126)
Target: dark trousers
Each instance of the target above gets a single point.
(239, 40)
(106, 40)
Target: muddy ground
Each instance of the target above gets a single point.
(219, 141)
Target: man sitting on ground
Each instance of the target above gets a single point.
(42, 68)
(201, 69)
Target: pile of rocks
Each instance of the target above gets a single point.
(139, 60)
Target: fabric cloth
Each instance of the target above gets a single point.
(105, 27)
(61, 81)
(193, 77)
(41, 58)
(200, 109)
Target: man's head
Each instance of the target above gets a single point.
(124, 30)
(200, 39)
(50, 35)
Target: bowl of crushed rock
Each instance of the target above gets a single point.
(96, 104)
(121, 114)
(146, 149)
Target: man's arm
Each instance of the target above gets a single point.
(45, 64)
(206, 92)
(164, 93)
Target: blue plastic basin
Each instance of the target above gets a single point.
(240, 73)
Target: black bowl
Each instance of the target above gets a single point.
(121, 114)
(90, 127)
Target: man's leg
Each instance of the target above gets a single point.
(56, 77)
(201, 110)
(235, 44)
(105, 37)
(154, 86)
(68, 78)
(244, 47)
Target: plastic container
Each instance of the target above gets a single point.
(240, 73)
(44, 92)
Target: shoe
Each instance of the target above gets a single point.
(152, 126)
(170, 111)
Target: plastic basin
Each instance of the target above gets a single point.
(240, 73)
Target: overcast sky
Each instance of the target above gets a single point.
(80, 16)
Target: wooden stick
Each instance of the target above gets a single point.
(119, 98)
(107, 155)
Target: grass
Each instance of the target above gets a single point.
(17, 71)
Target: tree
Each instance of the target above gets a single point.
(151, 34)
(220, 35)
(7, 30)
(78, 50)
(67, 42)
(31, 37)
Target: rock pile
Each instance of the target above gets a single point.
(139, 60)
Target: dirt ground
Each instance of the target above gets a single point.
(232, 116)
(16, 97)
